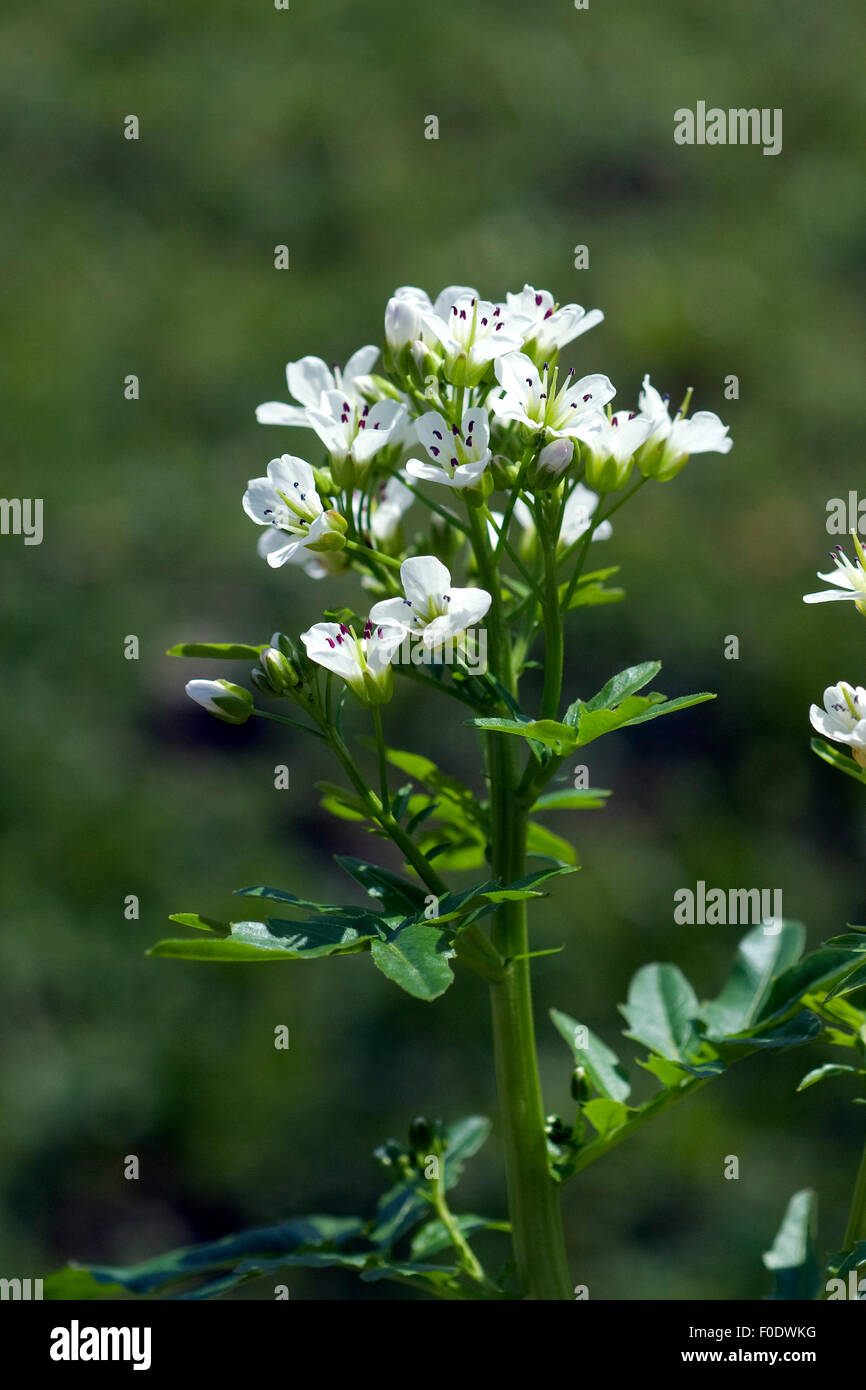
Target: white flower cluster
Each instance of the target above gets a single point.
(468, 397)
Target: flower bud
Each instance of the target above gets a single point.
(557, 1130)
(581, 1087)
(421, 1135)
(334, 537)
(555, 457)
(547, 469)
(325, 485)
(226, 701)
(279, 671)
(402, 323)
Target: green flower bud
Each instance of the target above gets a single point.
(279, 670)
(421, 1135)
(226, 701)
(334, 538)
(581, 1087)
(325, 485)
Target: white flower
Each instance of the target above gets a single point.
(348, 426)
(672, 441)
(610, 445)
(850, 578)
(387, 505)
(459, 456)
(843, 718)
(432, 606)
(286, 501)
(472, 332)
(577, 517)
(230, 702)
(552, 326)
(309, 378)
(530, 397)
(364, 662)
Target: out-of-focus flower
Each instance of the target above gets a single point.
(551, 326)
(672, 441)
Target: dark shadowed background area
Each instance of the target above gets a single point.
(260, 127)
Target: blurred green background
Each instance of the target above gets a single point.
(155, 257)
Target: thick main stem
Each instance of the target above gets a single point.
(533, 1197)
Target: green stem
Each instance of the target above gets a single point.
(383, 765)
(467, 1258)
(533, 1197)
(553, 641)
(856, 1228)
(372, 557)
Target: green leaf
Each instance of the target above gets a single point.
(586, 595)
(606, 1116)
(603, 1067)
(74, 1283)
(216, 651)
(404, 1269)
(155, 1274)
(792, 1257)
(433, 1237)
(828, 1069)
(394, 893)
(623, 684)
(820, 970)
(526, 886)
(843, 762)
(274, 940)
(560, 737)
(636, 709)
(761, 957)
(844, 1261)
(660, 1012)
(193, 919)
(577, 799)
(416, 958)
(279, 895)
(668, 1073)
(439, 782)
(340, 803)
(543, 842)
(855, 980)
